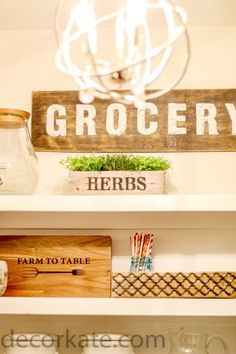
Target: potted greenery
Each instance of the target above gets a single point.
(116, 174)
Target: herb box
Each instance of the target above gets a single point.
(116, 182)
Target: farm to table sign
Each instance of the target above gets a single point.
(182, 120)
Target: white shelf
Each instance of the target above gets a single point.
(119, 203)
(117, 307)
(118, 212)
(104, 212)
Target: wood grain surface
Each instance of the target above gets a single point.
(116, 182)
(166, 138)
(25, 254)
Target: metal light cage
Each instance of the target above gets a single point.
(135, 60)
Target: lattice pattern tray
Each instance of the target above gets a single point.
(175, 285)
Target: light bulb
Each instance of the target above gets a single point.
(133, 59)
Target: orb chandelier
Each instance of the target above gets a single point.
(121, 49)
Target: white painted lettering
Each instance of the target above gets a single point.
(122, 119)
(141, 119)
(51, 122)
(174, 118)
(206, 113)
(85, 114)
(232, 112)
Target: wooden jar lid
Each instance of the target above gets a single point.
(12, 118)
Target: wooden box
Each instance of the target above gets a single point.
(60, 266)
(174, 285)
(116, 182)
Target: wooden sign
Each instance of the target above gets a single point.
(73, 266)
(116, 182)
(182, 120)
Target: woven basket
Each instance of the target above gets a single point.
(174, 285)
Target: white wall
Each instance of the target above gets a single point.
(27, 64)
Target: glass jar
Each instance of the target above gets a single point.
(18, 161)
(183, 342)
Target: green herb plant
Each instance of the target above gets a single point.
(115, 162)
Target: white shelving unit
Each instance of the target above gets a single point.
(119, 203)
(118, 212)
(195, 230)
(118, 307)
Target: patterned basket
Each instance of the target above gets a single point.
(175, 285)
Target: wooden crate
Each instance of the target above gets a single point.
(174, 285)
(47, 265)
(116, 182)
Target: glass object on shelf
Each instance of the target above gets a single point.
(18, 161)
(3, 277)
(183, 342)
